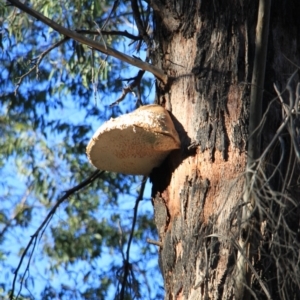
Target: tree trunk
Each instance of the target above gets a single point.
(207, 48)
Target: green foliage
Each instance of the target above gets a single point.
(51, 102)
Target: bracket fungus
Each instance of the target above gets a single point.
(134, 143)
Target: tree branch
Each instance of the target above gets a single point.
(139, 23)
(115, 5)
(40, 229)
(89, 42)
(127, 89)
(126, 262)
(248, 241)
(258, 78)
(38, 60)
(111, 32)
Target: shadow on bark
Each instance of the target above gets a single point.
(161, 176)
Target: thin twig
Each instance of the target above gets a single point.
(160, 74)
(258, 78)
(115, 5)
(139, 23)
(127, 89)
(38, 60)
(156, 243)
(100, 33)
(111, 32)
(254, 144)
(126, 263)
(289, 113)
(34, 237)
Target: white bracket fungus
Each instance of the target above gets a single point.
(134, 143)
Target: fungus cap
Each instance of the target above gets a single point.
(134, 143)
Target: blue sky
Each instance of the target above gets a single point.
(13, 192)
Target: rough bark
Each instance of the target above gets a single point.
(208, 52)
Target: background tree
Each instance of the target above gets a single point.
(55, 92)
(226, 204)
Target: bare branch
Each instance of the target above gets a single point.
(126, 262)
(289, 111)
(38, 60)
(115, 5)
(93, 44)
(156, 243)
(129, 88)
(40, 229)
(258, 77)
(139, 23)
(248, 245)
(111, 32)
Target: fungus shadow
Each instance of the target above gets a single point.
(161, 176)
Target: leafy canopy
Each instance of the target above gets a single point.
(54, 93)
